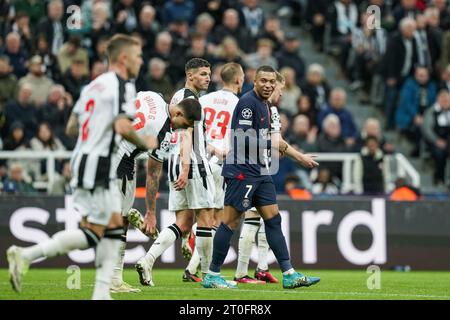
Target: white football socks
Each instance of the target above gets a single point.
(61, 243)
(204, 244)
(246, 241)
(106, 257)
(166, 238)
(263, 248)
(118, 269)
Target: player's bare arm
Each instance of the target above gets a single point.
(154, 169)
(306, 160)
(72, 126)
(219, 153)
(185, 151)
(124, 127)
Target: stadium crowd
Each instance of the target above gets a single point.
(48, 52)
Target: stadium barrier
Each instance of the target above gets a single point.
(349, 233)
(396, 162)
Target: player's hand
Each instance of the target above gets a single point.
(182, 181)
(307, 160)
(149, 227)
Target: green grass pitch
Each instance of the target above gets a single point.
(335, 284)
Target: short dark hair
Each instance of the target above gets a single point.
(265, 69)
(196, 63)
(191, 108)
(230, 71)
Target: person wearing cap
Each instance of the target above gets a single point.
(37, 79)
(289, 56)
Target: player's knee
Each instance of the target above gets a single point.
(92, 236)
(117, 233)
(116, 221)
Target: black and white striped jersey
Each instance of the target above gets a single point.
(100, 102)
(199, 162)
(152, 119)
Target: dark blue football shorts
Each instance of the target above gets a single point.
(244, 194)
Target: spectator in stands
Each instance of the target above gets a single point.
(324, 184)
(416, 96)
(75, 78)
(16, 139)
(398, 64)
(56, 112)
(289, 56)
(444, 13)
(286, 167)
(50, 62)
(179, 29)
(71, 51)
(331, 140)
(44, 140)
(198, 48)
(303, 136)
(8, 84)
(250, 73)
(445, 78)
(21, 25)
(294, 188)
(386, 19)
(230, 27)
(216, 80)
(368, 47)
(21, 111)
(213, 8)
(61, 183)
(436, 131)
(316, 87)
(263, 54)
(148, 27)
(291, 92)
(203, 26)
(405, 9)
(163, 50)
(34, 9)
(126, 15)
(157, 79)
(178, 9)
(101, 26)
(369, 168)
(372, 128)
(99, 53)
(53, 27)
(252, 17)
(272, 30)
(343, 18)
(305, 108)
(97, 69)
(433, 34)
(16, 183)
(423, 42)
(229, 52)
(336, 105)
(404, 191)
(315, 15)
(17, 57)
(39, 82)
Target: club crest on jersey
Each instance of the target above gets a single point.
(164, 146)
(246, 203)
(275, 117)
(247, 113)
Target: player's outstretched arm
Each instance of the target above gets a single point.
(306, 160)
(124, 127)
(154, 169)
(185, 155)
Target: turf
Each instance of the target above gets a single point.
(51, 284)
